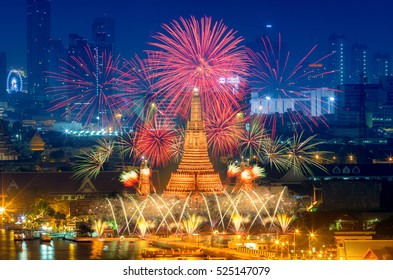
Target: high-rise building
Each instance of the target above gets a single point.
(103, 34)
(38, 36)
(381, 67)
(3, 75)
(55, 55)
(77, 45)
(336, 59)
(359, 64)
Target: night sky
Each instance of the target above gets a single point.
(301, 23)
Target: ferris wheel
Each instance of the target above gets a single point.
(14, 81)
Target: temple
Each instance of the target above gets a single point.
(195, 172)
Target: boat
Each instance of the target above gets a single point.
(19, 236)
(28, 235)
(45, 237)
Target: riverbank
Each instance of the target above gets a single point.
(209, 252)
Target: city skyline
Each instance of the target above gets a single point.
(302, 24)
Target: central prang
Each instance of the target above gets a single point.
(195, 172)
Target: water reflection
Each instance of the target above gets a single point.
(59, 249)
(46, 251)
(23, 254)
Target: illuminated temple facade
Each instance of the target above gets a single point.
(195, 172)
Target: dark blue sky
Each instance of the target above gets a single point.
(302, 23)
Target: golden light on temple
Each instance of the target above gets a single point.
(195, 172)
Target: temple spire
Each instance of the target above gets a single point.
(195, 172)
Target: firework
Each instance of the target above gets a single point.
(154, 141)
(125, 144)
(275, 152)
(129, 178)
(192, 223)
(278, 82)
(176, 148)
(251, 139)
(105, 148)
(252, 173)
(233, 170)
(143, 228)
(224, 127)
(89, 164)
(89, 87)
(237, 223)
(257, 172)
(246, 175)
(301, 155)
(137, 74)
(99, 227)
(285, 221)
(198, 54)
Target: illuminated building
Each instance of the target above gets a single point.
(381, 67)
(359, 64)
(37, 143)
(195, 172)
(38, 35)
(103, 34)
(7, 152)
(336, 60)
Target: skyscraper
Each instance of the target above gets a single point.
(359, 64)
(381, 67)
(56, 53)
(336, 60)
(103, 34)
(38, 36)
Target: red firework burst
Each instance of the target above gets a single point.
(281, 87)
(233, 170)
(198, 54)
(129, 178)
(155, 141)
(252, 173)
(224, 127)
(89, 87)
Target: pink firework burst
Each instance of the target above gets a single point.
(282, 88)
(155, 141)
(89, 87)
(224, 127)
(202, 54)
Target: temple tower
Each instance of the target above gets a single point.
(144, 179)
(195, 172)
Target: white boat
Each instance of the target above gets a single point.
(45, 236)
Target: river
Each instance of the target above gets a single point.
(59, 249)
